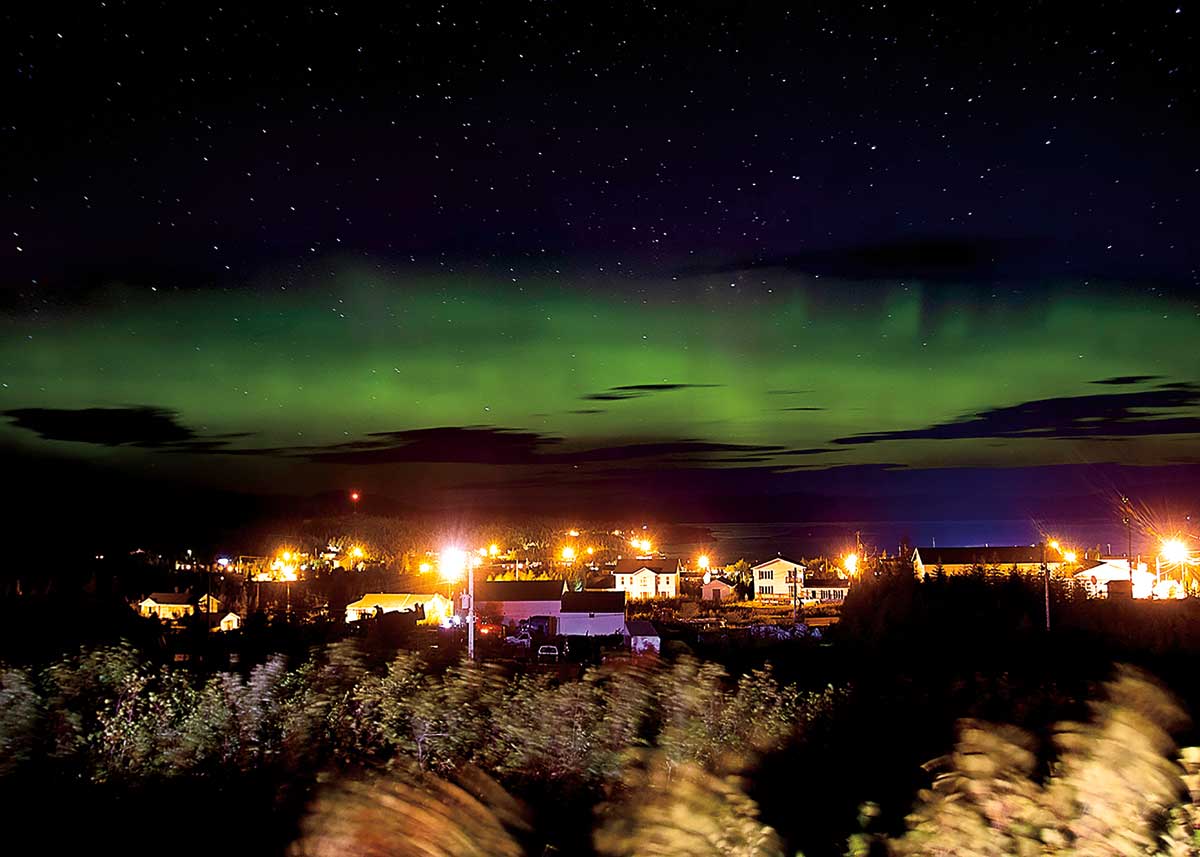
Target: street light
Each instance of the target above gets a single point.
(568, 554)
(850, 563)
(702, 561)
(1174, 551)
(454, 563)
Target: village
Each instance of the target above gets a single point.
(592, 598)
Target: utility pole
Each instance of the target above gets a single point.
(1046, 579)
(1128, 521)
(470, 609)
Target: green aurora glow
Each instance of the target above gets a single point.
(359, 352)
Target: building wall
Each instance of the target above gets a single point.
(647, 584)
(924, 568)
(512, 612)
(167, 611)
(645, 645)
(716, 591)
(771, 584)
(593, 625)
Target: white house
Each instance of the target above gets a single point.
(823, 589)
(716, 590)
(209, 604)
(436, 606)
(1099, 573)
(171, 606)
(510, 601)
(230, 622)
(775, 580)
(642, 637)
(592, 613)
(647, 578)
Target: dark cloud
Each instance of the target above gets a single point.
(1122, 380)
(638, 391)
(952, 257)
(1106, 415)
(131, 426)
(501, 446)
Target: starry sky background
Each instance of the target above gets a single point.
(737, 261)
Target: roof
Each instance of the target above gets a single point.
(716, 581)
(998, 555)
(640, 628)
(826, 583)
(519, 590)
(170, 598)
(658, 566)
(392, 601)
(776, 559)
(594, 602)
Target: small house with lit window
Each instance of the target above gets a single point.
(171, 606)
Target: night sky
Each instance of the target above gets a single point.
(845, 260)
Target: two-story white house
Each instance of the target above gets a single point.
(776, 579)
(647, 578)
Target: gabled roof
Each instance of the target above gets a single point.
(640, 628)
(169, 598)
(994, 555)
(519, 590)
(392, 601)
(658, 566)
(776, 559)
(719, 581)
(593, 602)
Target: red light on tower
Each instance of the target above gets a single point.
(354, 501)
(354, 496)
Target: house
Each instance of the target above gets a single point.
(716, 590)
(642, 637)
(209, 604)
(823, 589)
(435, 606)
(1096, 575)
(171, 606)
(592, 613)
(510, 601)
(230, 622)
(775, 580)
(647, 578)
(1024, 559)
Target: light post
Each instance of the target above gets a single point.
(1046, 581)
(1127, 520)
(354, 495)
(454, 563)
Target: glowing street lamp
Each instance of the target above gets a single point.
(850, 563)
(425, 568)
(452, 563)
(1174, 551)
(568, 554)
(493, 550)
(354, 495)
(702, 562)
(357, 553)
(1069, 557)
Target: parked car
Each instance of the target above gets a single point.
(522, 638)
(548, 654)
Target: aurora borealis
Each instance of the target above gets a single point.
(567, 259)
